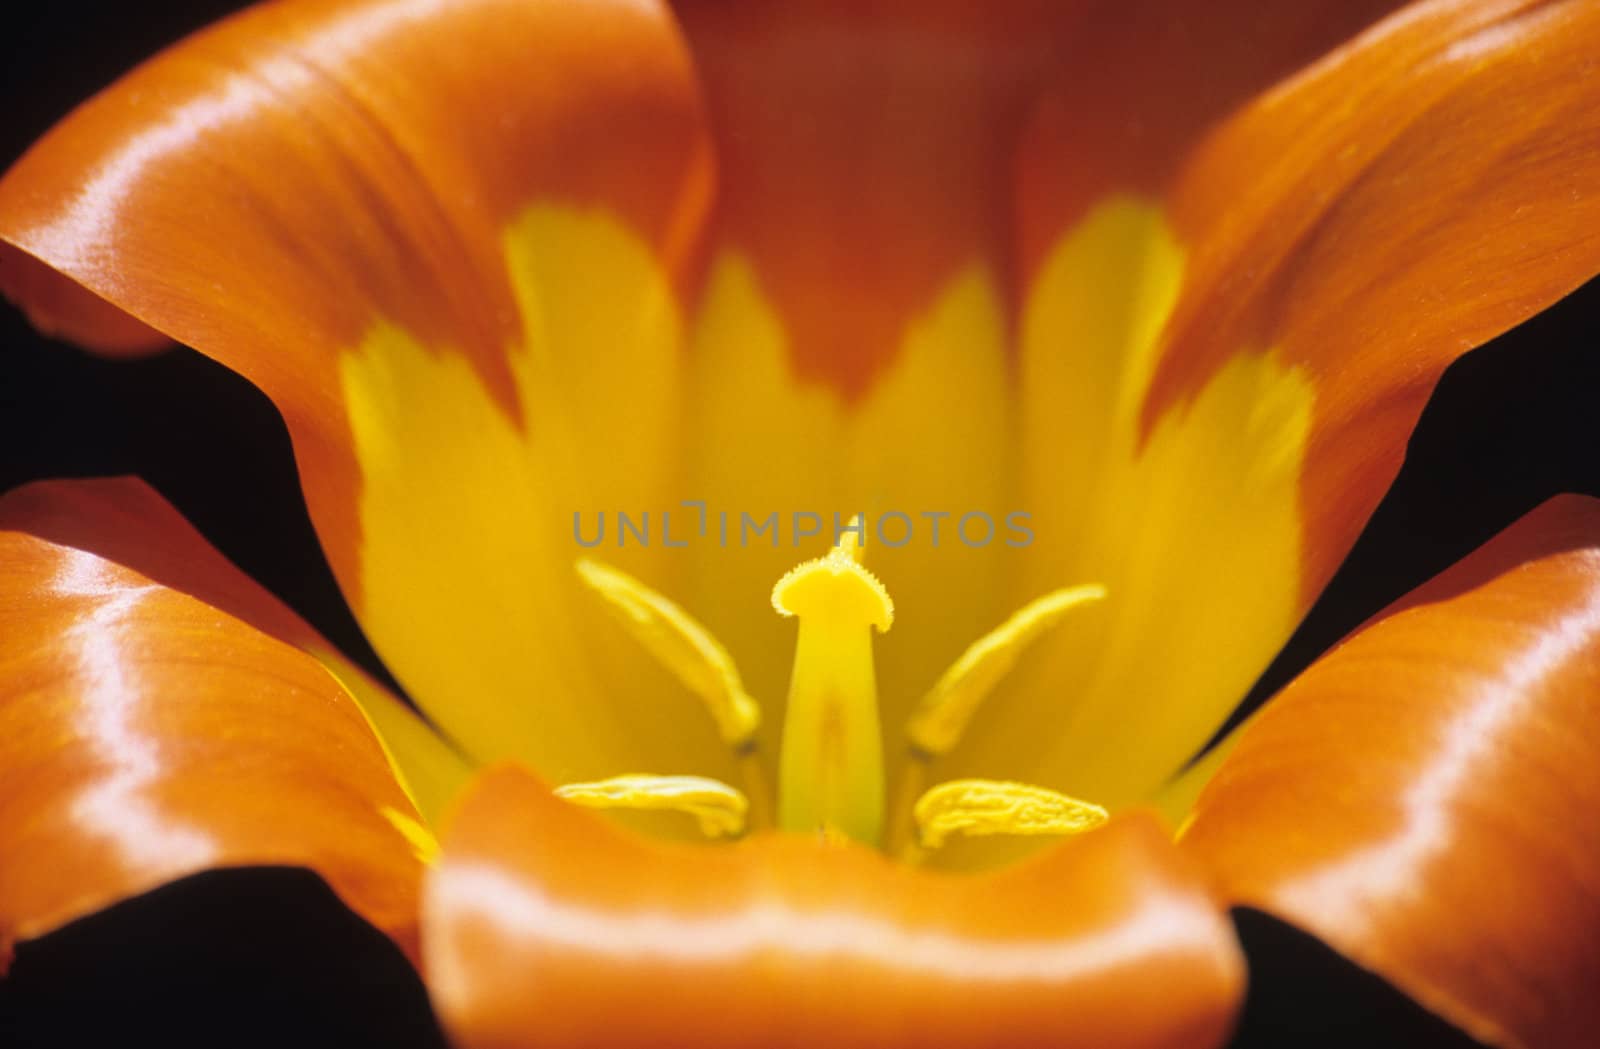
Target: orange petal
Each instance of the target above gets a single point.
(273, 189)
(157, 718)
(1397, 203)
(1424, 797)
(1237, 297)
(1100, 269)
(448, 240)
(544, 924)
(60, 308)
(1140, 84)
(864, 156)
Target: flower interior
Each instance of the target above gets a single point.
(1000, 480)
(831, 767)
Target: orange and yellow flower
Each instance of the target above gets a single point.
(1172, 280)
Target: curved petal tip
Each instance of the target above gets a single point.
(545, 924)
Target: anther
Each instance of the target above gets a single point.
(943, 714)
(981, 806)
(682, 645)
(719, 809)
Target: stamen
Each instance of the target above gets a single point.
(944, 713)
(682, 645)
(982, 806)
(718, 808)
(830, 771)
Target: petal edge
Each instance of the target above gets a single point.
(1419, 797)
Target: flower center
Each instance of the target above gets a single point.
(831, 779)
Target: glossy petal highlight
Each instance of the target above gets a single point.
(153, 723)
(124, 521)
(545, 925)
(1423, 798)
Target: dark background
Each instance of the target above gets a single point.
(269, 957)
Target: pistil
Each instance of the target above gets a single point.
(830, 771)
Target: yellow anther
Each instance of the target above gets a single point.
(682, 645)
(718, 808)
(981, 806)
(943, 714)
(830, 771)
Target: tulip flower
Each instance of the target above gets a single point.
(1137, 301)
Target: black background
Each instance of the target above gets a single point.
(269, 957)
